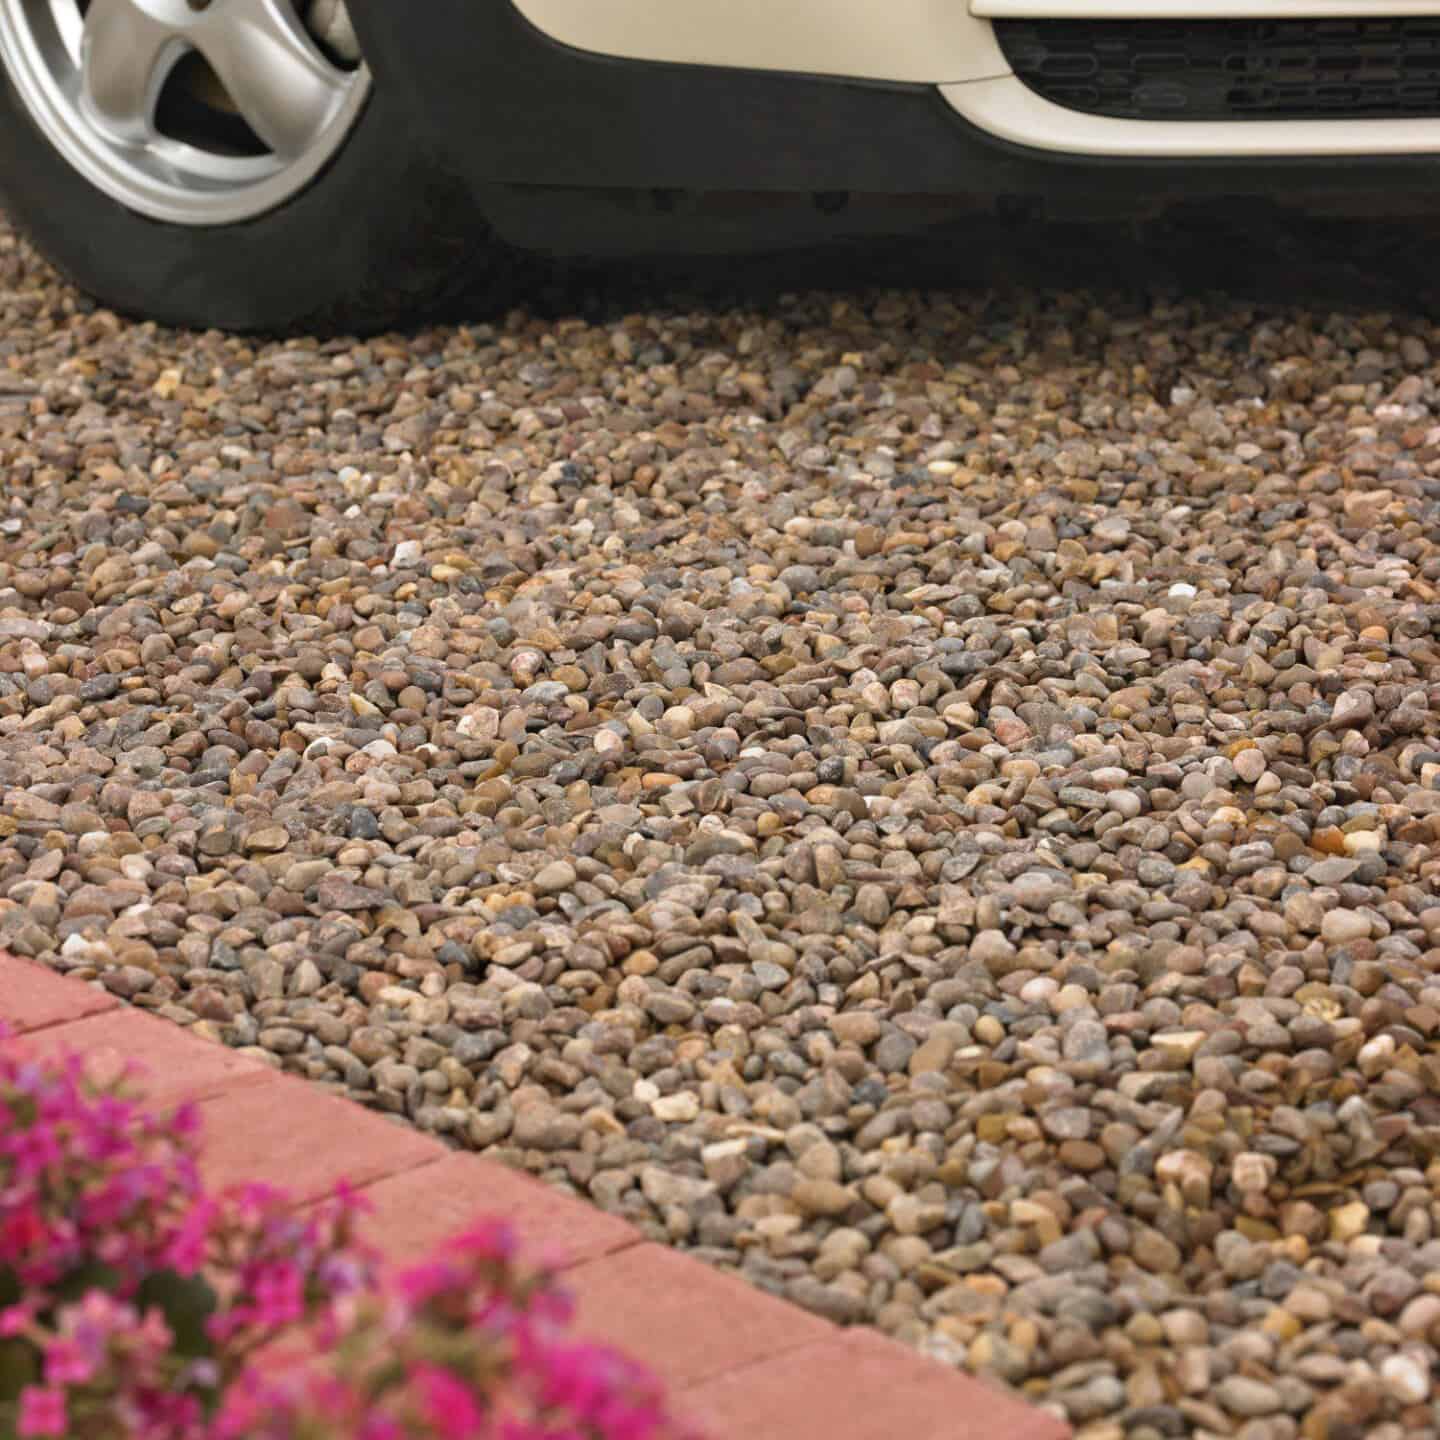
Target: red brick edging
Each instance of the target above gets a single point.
(743, 1364)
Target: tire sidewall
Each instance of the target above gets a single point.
(353, 250)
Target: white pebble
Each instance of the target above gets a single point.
(1340, 927)
(1407, 1378)
(1039, 990)
(677, 1108)
(1251, 1173)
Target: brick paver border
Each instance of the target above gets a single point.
(744, 1365)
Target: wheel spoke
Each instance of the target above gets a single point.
(277, 78)
(125, 57)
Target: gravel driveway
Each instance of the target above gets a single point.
(929, 799)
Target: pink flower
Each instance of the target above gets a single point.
(153, 1333)
(420, 1283)
(42, 1412)
(189, 1246)
(255, 1203)
(22, 1231)
(448, 1404)
(16, 1319)
(160, 1415)
(278, 1296)
(576, 1377)
(67, 1363)
(380, 1427)
(488, 1240)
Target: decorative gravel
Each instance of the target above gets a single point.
(929, 800)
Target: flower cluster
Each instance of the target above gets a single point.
(87, 1178)
(135, 1304)
(470, 1346)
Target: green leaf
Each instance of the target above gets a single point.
(85, 1278)
(19, 1367)
(187, 1302)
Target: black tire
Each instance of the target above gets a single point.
(380, 238)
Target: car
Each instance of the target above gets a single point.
(274, 164)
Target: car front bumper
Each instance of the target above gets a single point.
(495, 102)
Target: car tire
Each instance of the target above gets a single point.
(376, 238)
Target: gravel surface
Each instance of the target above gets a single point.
(927, 799)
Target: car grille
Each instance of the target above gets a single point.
(1231, 69)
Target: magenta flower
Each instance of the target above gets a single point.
(67, 1363)
(42, 1412)
(448, 1404)
(16, 1319)
(190, 1243)
(486, 1240)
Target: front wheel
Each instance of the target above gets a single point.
(225, 163)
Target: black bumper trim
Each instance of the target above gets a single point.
(500, 103)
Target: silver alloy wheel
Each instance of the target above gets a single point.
(92, 77)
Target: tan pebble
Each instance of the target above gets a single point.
(1309, 1303)
(1250, 765)
(855, 1027)
(1189, 1171)
(1348, 1222)
(1179, 1046)
(1143, 1387)
(1282, 1324)
(1192, 1370)
(1420, 1316)
(1185, 1327)
(1375, 1055)
(822, 1197)
(1025, 1334)
(1155, 1252)
(911, 1215)
(988, 1030)
(777, 1227)
(1082, 1155)
(938, 1049)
